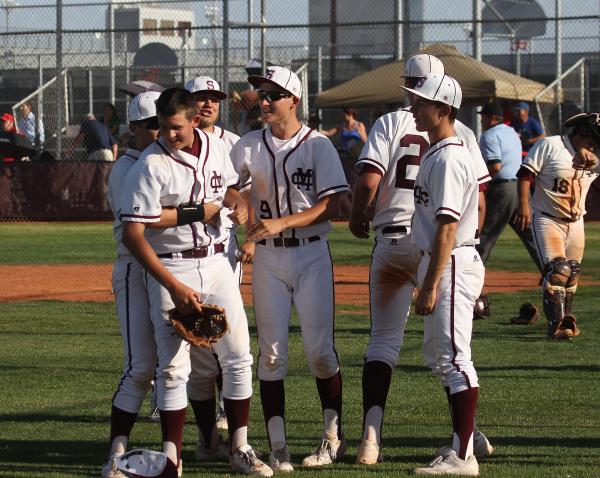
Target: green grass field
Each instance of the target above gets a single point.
(60, 363)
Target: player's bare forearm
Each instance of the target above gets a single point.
(115, 151)
(234, 201)
(522, 217)
(481, 210)
(363, 193)
(325, 209)
(184, 298)
(441, 248)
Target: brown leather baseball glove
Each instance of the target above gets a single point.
(528, 314)
(482, 308)
(202, 328)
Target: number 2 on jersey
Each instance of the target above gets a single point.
(409, 159)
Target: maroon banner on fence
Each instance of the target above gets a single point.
(54, 191)
(76, 191)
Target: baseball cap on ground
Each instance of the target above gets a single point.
(492, 109)
(422, 65)
(143, 106)
(205, 84)
(279, 76)
(521, 106)
(442, 88)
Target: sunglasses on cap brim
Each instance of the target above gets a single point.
(271, 96)
(150, 123)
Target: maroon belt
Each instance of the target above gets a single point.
(195, 253)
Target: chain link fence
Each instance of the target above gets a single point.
(101, 47)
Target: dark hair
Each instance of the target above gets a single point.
(176, 100)
(453, 114)
(351, 111)
(586, 129)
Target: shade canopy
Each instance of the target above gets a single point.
(479, 81)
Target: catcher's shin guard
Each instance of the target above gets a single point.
(558, 273)
(571, 286)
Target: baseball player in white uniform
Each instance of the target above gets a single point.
(208, 96)
(451, 273)
(187, 266)
(556, 212)
(388, 164)
(296, 182)
(129, 287)
(130, 293)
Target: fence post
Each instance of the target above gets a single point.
(263, 37)
(250, 35)
(225, 104)
(90, 78)
(40, 107)
(558, 46)
(59, 54)
(398, 31)
(111, 51)
(477, 55)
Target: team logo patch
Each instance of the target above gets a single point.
(216, 182)
(421, 196)
(303, 179)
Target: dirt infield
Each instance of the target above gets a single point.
(92, 283)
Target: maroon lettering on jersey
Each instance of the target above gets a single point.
(196, 147)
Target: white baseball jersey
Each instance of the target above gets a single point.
(446, 184)
(560, 190)
(164, 177)
(115, 188)
(283, 175)
(227, 137)
(395, 147)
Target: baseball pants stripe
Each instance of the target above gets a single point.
(137, 333)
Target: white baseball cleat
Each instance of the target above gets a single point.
(482, 448)
(450, 464)
(110, 470)
(280, 461)
(243, 460)
(218, 452)
(331, 449)
(369, 453)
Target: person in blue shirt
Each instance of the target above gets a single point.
(529, 129)
(501, 148)
(27, 126)
(353, 133)
(96, 137)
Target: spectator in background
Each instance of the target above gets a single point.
(8, 123)
(27, 124)
(111, 120)
(353, 133)
(314, 121)
(99, 143)
(529, 129)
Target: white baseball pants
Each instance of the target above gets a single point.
(302, 276)
(214, 280)
(392, 281)
(447, 330)
(557, 238)
(133, 311)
